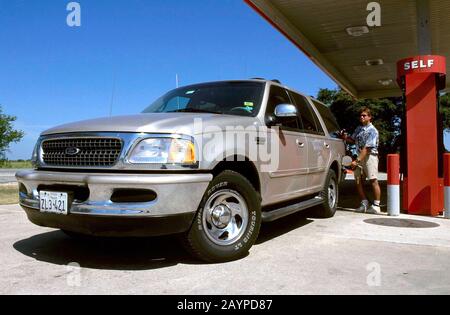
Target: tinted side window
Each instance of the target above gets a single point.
(279, 96)
(309, 120)
(329, 119)
(320, 130)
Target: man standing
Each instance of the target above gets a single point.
(366, 138)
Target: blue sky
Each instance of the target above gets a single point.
(53, 74)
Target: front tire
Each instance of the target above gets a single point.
(228, 221)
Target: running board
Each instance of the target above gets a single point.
(273, 215)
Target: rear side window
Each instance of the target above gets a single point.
(309, 119)
(329, 119)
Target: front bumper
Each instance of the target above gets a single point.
(177, 199)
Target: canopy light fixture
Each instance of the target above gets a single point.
(374, 62)
(385, 82)
(357, 31)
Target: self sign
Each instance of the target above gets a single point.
(419, 64)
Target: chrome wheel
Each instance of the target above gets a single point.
(332, 193)
(225, 217)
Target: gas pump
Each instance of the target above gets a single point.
(421, 78)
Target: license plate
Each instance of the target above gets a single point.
(54, 202)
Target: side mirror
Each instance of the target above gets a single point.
(285, 110)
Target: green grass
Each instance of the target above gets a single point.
(9, 194)
(15, 164)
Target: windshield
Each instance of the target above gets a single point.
(230, 98)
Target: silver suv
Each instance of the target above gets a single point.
(209, 162)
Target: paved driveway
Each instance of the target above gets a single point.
(351, 253)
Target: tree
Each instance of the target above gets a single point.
(445, 111)
(7, 134)
(387, 114)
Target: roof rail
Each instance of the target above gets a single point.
(274, 80)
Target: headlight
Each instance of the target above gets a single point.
(163, 151)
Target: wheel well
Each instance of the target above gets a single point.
(244, 167)
(335, 168)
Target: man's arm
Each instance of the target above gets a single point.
(348, 139)
(362, 156)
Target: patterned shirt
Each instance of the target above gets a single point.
(366, 136)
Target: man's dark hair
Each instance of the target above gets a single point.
(366, 110)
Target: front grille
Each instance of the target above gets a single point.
(90, 152)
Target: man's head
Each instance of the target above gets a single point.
(365, 116)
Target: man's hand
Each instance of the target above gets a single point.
(354, 165)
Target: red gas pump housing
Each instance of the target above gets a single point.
(421, 78)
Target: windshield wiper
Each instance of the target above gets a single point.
(194, 110)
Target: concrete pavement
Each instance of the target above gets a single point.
(351, 253)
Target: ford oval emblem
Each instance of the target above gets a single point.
(72, 151)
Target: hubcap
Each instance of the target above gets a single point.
(221, 216)
(225, 217)
(332, 194)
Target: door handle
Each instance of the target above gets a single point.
(300, 143)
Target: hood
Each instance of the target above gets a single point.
(179, 123)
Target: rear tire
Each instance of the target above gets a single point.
(228, 221)
(330, 195)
